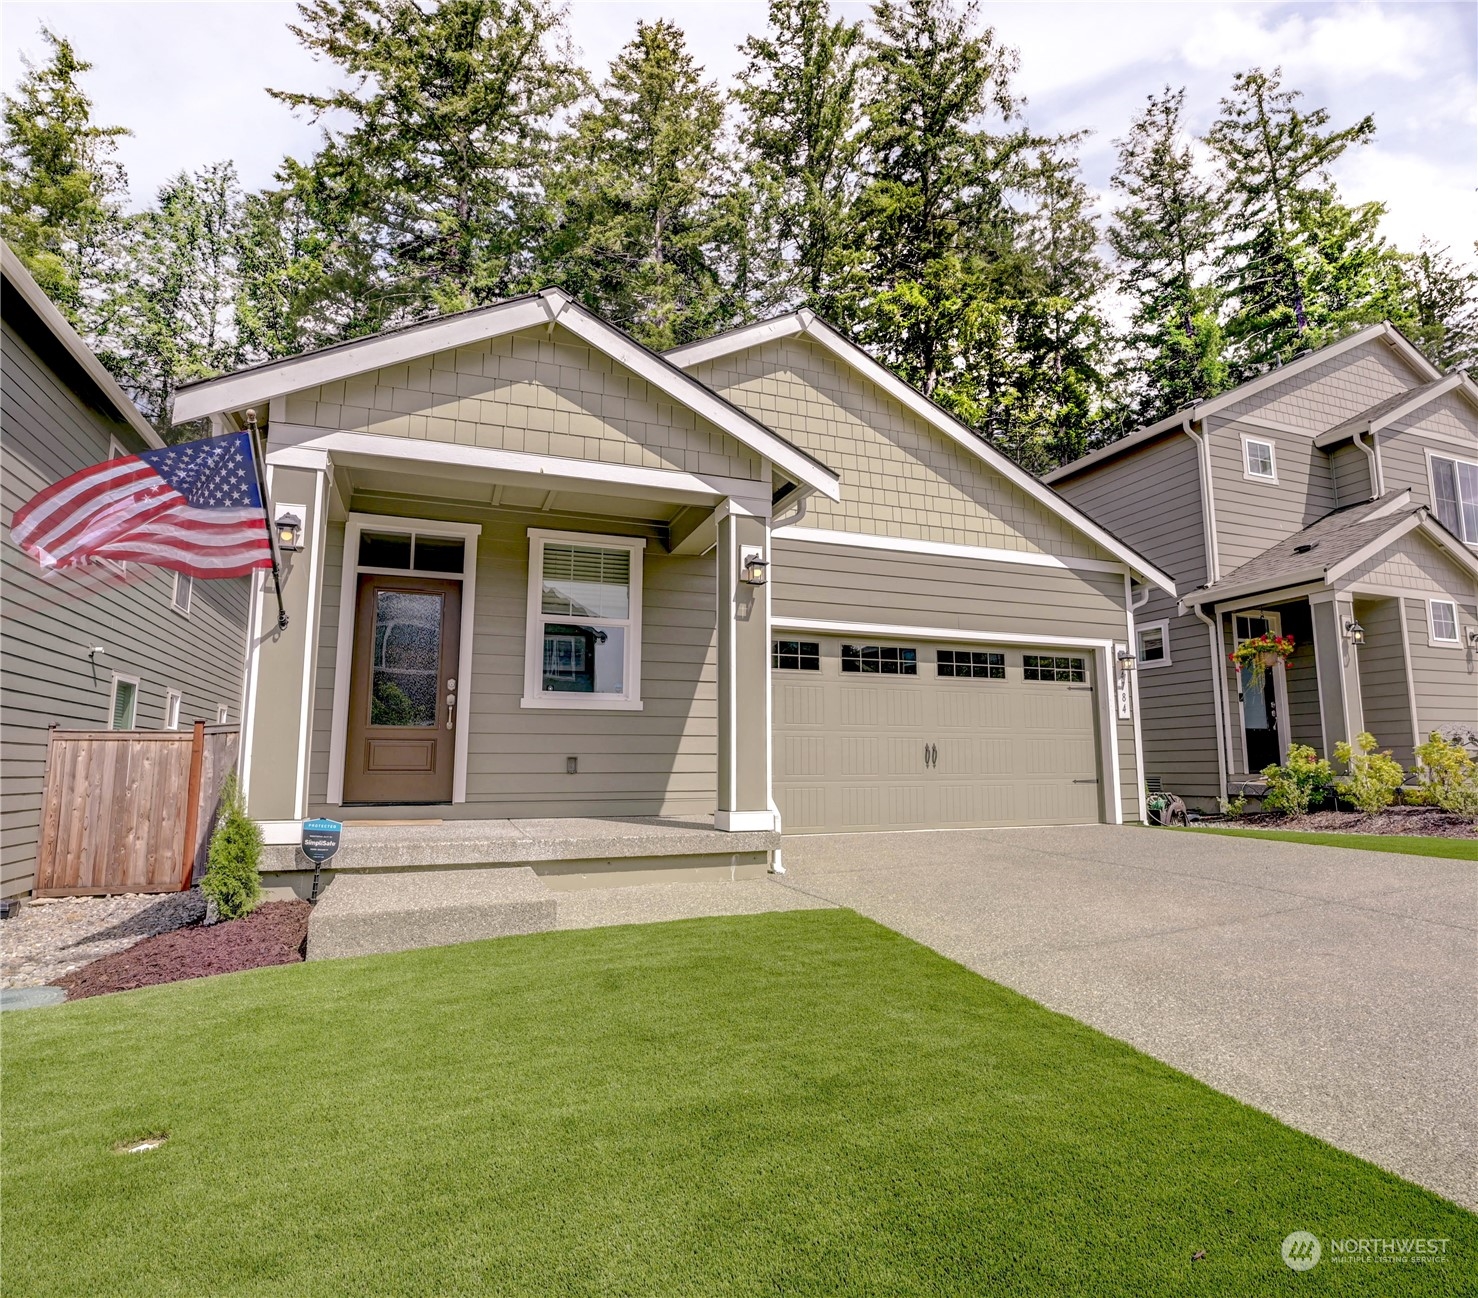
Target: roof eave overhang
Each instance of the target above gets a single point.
(1453, 382)
(1221, 594)
(807, 324)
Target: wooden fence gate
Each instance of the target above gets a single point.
(130, 810)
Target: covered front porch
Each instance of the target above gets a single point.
(1379, 602)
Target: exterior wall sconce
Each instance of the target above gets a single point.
(1127, 660)
(755, 568)
(1472, 634)
(1354, 632)
(289, 526)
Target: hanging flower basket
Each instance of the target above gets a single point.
(1261, 652)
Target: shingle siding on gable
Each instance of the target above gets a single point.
(1446, 426)
(900, 477)
(544, 395)
(1333, 390)
(1414, 563)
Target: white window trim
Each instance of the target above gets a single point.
(1163, 627)
(1455, 641)
(173, 702)
(174, 595)
(113, 700)
(1434, 454)
(1247, 473)
(223, 714)
(344, 654)
(629, 700)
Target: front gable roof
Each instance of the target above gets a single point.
(805, 323)
(1398, 407)
(261, 383)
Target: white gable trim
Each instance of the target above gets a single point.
(804, 322)
(1458, 382)
(255, 387)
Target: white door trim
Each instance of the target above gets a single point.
(1280, 689)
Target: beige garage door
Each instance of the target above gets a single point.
(899, 735)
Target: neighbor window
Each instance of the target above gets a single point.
(172, 710)
(1153, 646)
(584, 640)
(796, 655)
(1455, 496)
(223, 713)
(1443, 621)
(886, 660)
(1257, 458)
(125, 702)
(1041, 667)
(184, 588)
(987, 666)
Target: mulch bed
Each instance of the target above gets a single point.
(274, 933)
(1431, 821)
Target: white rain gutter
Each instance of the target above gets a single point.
(1218, 696)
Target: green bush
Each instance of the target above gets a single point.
(1233, 807)
(1372, 778)
(1291, 788)
(1444, 770)
(232, 879)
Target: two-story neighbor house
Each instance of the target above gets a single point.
(119, 646)
(1334, 500)
(547, 573)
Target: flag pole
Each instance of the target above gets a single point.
(256, 459)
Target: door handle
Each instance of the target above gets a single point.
(926, 754)
(451, 711)
(934, 756)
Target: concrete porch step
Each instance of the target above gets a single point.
(371, 914)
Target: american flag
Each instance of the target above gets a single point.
(192, 508)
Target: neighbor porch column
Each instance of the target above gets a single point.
(743, 675)
(1338, 668)
(278, 713)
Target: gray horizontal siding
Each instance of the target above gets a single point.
(659, 761)
(1447, 426)
(1351, 469)
(1445, 677)
(49, 627)
(1177, 705)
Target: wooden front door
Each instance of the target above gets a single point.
(403, 690)
(1261, 739)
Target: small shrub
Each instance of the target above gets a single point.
(1443, 768)
(1372, 778)
(1292, 787)
(1233, 807)
(1461, 800)
(232, 879)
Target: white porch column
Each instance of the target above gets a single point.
(1338, 669)
(743, 674)
(277, 714)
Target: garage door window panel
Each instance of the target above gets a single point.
(796, 655)
(880, 660)
(971, 664)
(1047, 667)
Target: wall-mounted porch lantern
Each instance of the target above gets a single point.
(289, 525)
(1472, 635)
(1354, 632)
(1127, 660)
(754, 567)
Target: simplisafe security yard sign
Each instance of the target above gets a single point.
(321, 839)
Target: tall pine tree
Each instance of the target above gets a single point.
(432, 193)
(1164, 236)
(652, 234)
(1440, 295)
(799, 98)
(61, 186)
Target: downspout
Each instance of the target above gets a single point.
(1208, 514)
(1372, 453)
(1213, 575)
(1218, 694)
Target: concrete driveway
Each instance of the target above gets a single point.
(1333, 988)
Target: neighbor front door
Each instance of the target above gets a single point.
(1260, 698)
(403, 690)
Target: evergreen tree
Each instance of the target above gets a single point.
(432, 194)
(61, 186)
(931, 257)
(1164, 237)
(1441, 306)
(652, 234)
(799, 99)
(175, 320)
(1285, 224)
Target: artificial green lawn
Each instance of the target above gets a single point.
(802, 1103)
(1457, 849)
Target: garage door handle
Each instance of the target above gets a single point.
(934, 755)
(1093, 781)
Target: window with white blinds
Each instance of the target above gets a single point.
(1455, 496)
(584, 631)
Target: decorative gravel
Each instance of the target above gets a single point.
(275, 933)
(51, 937)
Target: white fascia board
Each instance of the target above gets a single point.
(848, 352)
(1465, 556)
(35, 297)
(1309, 576)
(668, 378)
(738, 340)
(1346, 431)
(1164, 428)
(889, 631)
(254, 387)
(624, 479)
(942, 549)
(1368, 551)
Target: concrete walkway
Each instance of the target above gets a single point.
(1335, 989)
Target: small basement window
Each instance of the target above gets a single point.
(172, 710)
(988, 665)
(1443, 621)
(885, 660)
(1044, 667)
(1153, 647)
(1258, 459)
(796, 655)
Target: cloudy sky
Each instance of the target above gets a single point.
(188, 78)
